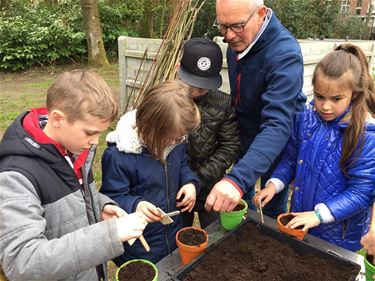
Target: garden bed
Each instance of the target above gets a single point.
(256, 252)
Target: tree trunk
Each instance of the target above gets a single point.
(147, 25)
(369, 20)
(94, 37)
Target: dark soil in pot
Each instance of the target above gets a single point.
(286, 219)
(239, 207)
(191, 237)
(137, 271)
(248, 254)
(370, 259)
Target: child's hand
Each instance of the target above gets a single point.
(131, 226)
(265, 195)
(368, 241)
(149, 210)
(307, 219)
(112, 211)
(189, 197)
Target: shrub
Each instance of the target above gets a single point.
(34, 33)
(36, 36)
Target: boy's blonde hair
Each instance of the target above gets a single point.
(166, 109)
(80, 94)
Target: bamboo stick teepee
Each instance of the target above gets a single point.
(179, 29)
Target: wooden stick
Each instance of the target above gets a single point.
(261, 212)
(144, 243)
(171, 214)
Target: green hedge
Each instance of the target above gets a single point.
(40, 34)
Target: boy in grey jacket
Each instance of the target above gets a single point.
(54, 225)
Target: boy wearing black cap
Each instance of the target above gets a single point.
(215, 145)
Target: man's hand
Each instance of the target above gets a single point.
(223, 197)
(112, 211)
(189, 196)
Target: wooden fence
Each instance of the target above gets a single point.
(131, 51)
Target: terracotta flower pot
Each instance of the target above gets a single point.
(191, 242)
(230, 220)
(369, 267)
(138, 269)
(283, 220)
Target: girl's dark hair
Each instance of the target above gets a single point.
(166, 109)
(350, 60)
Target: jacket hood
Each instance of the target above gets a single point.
(16, 141)
(26, 138)
(126, 136)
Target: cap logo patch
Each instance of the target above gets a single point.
(204, 63)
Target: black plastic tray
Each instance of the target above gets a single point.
(301, 247)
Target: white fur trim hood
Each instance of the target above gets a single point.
(125, 135)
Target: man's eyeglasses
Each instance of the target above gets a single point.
(236, 28)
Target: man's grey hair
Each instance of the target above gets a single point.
(256, 3)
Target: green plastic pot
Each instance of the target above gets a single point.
(370, 269)
(138, 260)
(230, 220)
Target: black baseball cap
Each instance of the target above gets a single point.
(201, 63)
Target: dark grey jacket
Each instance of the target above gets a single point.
(215, 145)
(50, 228)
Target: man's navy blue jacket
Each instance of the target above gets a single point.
(269, 79)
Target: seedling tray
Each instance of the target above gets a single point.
(247, 232)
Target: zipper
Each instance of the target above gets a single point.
(165, 166)
(86, 183)
(238, 83)
(344, 227)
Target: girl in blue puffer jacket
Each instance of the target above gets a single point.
(330, 155)
(146, 165)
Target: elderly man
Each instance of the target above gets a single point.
(266, 75)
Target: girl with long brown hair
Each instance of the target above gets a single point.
(331, 152)
(146, 165)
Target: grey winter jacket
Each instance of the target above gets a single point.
(50, 227)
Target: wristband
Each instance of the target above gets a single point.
(317, 213)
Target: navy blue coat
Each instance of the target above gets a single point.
(267, 87)
(129, 178)
(311, 159)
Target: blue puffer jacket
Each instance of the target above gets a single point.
(131, 177)
(312, 158)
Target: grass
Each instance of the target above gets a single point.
(11, 108)
(39, 85)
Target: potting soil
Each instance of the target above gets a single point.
(239, 207)
(248, 254)
(137, 271)
(191, 237)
